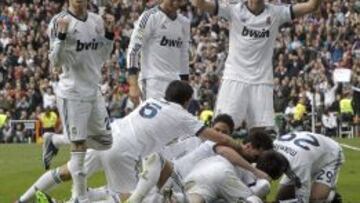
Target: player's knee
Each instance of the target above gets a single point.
(78, 145)
(254, 199)
(63, 173)
(329, 198)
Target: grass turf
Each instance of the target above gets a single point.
(20, 166)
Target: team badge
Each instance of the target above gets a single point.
(268, 20)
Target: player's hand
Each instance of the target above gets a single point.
(134, 94)
(109, 22)
(63, 24)
(261, 175)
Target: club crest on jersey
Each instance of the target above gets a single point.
(171, 42)
(268, 20)
(255, 34)
(80, 46)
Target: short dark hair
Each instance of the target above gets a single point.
(178, 92)
(259, 140)
(225, 118)
(273, 163)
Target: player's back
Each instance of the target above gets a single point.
(306, 149)
(156, 123)
(84, 51)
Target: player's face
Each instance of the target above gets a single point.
(174, 4)
(250, 153)
(78, 3)
(222, 127)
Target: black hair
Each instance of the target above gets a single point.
(259, 140)
(225, 118)
(178, 92)
(273, 163)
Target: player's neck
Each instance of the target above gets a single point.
(255, 7)
(168, 11)
(80, 13)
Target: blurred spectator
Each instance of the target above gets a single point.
(329, 122)
(299, 112)
(49, 99)
(346, 109)
(48, 120)
(206, 114)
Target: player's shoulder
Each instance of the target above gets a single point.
(94, 16)
(151, 12)
(183, 19)
(58, 16)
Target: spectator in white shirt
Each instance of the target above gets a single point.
(330, 123)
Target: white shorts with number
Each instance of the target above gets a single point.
(216, 182)
(327, 175)
(86, 120)
(252, 103)
(154, 87)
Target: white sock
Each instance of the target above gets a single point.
(45, 183)
(148, 178)
(60, 139)
(76, 168)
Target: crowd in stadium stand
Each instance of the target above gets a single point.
(306, 54)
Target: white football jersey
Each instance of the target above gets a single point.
(307, 154)
(180, 148)
(81, 55)
(161, 44)
(186, 163)
(156, 123)
(252, 40)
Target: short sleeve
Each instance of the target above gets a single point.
(223, 9)
(284, 13)
(192, 125)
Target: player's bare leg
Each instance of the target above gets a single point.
(321, 193)
(285, 192)
(195, 198)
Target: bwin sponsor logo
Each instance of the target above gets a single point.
(80, 46)
(171, 42)
(255, 33)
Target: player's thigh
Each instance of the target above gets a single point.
(197, 184)
(74, 115)
(286, 189)
(261, 108)
(233, 99)
(99, 131)
(325, 181)
(92, 163)
(232, 189)
(121, 170)
(195, 198)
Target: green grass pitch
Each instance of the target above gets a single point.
(20, 166)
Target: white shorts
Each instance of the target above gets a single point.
(219, 182)
(252, 103)
(122, 162)
(327, 175)
(154, 87)
(86, 120)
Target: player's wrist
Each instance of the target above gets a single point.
(61, 35)
(109, 35)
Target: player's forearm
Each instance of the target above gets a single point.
(235, 158)
(56, 53)
(220, 139)
(205, 5)
(133, 78)
(302, 9)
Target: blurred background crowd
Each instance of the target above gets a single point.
(307, 53)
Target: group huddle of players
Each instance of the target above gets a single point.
(160, 152)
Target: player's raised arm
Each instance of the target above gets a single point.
(140, 33)
(302, 9)
(57, 34)
(205, 5)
